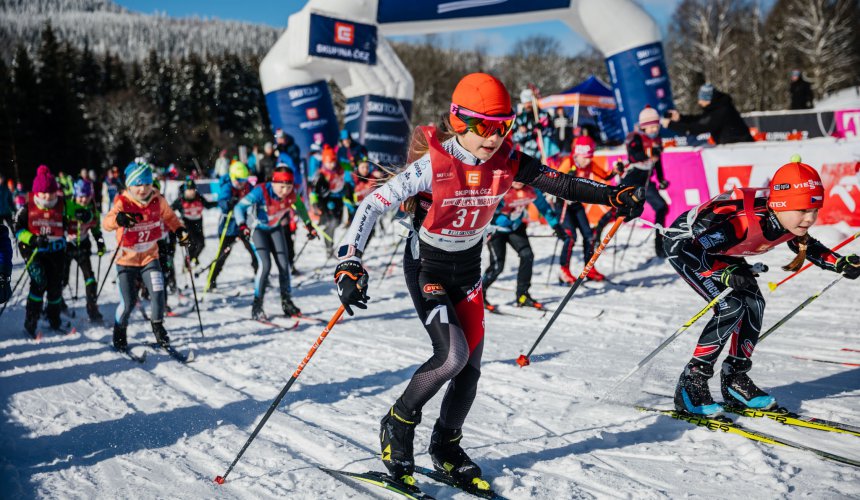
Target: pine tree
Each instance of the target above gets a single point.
(24, 113)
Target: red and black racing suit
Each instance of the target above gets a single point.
(699, 255)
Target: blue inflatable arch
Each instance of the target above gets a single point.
(344, 40)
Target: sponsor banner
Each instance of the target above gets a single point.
(788, 126)
(639, 77)
(342, 39)
(382, 125)
(305, 112)
(399, 11)
(754, 165)
(847, 123)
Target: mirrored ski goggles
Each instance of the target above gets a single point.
(484, 125)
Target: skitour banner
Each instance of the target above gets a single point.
(382, 125)
(639, 77)
(342, 39)
(305, 112)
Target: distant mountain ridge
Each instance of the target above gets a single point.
(106, 26)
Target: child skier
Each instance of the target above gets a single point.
(82, 218)
(40, 228)
(467, 175)
(5, 265)
(190, 205)
(142, 214)
(366, 179)
(329, 186)
(231, 188)
(572, 214)
(271, 201)
(510, 228)
(709, 254)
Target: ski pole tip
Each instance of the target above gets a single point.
(523, 360)
(219, 479)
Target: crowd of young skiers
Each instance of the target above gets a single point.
(469, 183)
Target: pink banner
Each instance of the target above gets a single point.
(688, 186)
(847, 123)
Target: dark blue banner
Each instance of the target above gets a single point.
(399, 11)
(639, 78)
(341, 39)
(382, 125)
(305, 112)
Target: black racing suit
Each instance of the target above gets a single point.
(695, 255)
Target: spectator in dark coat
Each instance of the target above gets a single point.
(719, 117)
(267, 163)
(800, 91)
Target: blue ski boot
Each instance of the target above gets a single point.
(738, 389)
(692, 395)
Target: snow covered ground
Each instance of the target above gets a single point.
(79, 421)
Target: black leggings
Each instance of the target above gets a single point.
(81, 254)
(575, 219)
(737, 318)
(46, 276)
(519, 241)
(271, 243)
(446, 290)
(225, 252)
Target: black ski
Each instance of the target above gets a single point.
(448, 480)
(173, 353)
(130, 355)
(381, 480)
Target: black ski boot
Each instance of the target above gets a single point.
(52, 312)
(396, 433)
(526, 300)
(160, 333)
(31, 320)
(120, 341)
(257, 310)
(738, 389)
(658, 246)
(94, 313)
(449, 458)
(692, 395)
(290, 309)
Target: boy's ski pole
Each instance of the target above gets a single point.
(798, 308)
(669, 340)
(277, 401)
(194, 290)
(523, 359)
(20, 278)
(774, 286)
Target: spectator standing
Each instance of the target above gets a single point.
(800, 92)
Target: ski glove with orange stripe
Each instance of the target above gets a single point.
(350, 277)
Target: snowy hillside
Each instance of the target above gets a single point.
(80, 421)
(106, 26)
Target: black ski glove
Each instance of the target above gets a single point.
(849, 266)
(127, 219)
(100, 245)
(663, 184)
(739, 276)
(245, 232)
(351, 279)
(182, 237)
(312, 232)
(83, 215)
(560, 233)
(630, 201)
(39, 241)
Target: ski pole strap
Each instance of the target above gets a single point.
(669, 340)
(774, 286)
(798, 309)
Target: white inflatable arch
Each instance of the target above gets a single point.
(343, 40)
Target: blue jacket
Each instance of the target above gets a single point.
(255, 199)
(505, 224)
(225, 203)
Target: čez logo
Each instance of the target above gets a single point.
(344, 33)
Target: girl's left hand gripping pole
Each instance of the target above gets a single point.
(277, 401)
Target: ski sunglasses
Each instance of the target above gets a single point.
(484, 125)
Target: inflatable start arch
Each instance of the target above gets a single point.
(343, 40)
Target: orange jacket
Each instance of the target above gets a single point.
(156, 215)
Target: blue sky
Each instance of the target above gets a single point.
(276, 12)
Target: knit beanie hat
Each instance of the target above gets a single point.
(583, 146)
(481, 93)
(795, 186)
(83, 188)
(45, 181)
(706, 92)
(138, 174)
(648, 116)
